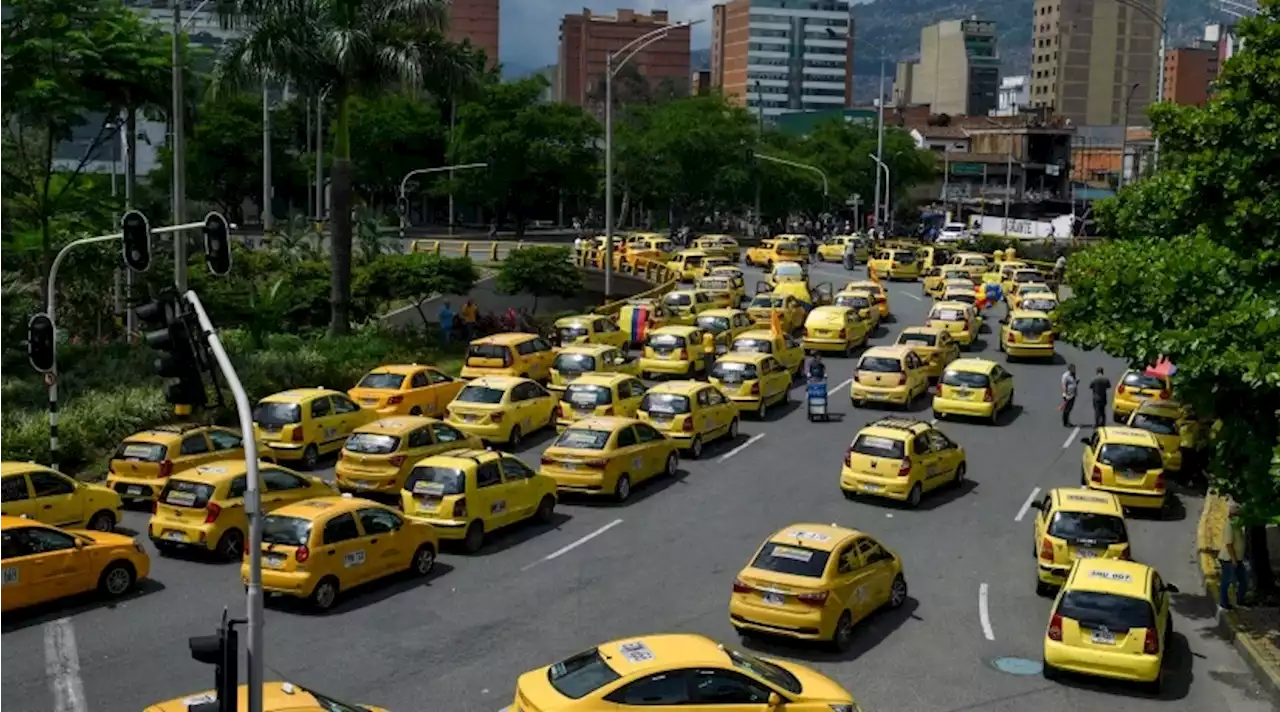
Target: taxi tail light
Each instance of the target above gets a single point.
(342, 454)
(211, 512)
(806, 332)
(166, 468)
(816, 598)
(683, 354)
(1046, 549)
(1163, 394)
(904, 470)
(496, 416)
(1013, 337)
(844, 333)
(596, 464)
(1096, 476)
(1160, 481)
(988, 395)
(1126, 554)
(688, 424)
(755, 389)
(1120, 389)
(1055, 627)
(397, 460)
(547, 460)
(395, 400)
(902, 379)
(1151, 646)
(297, 434)
(301, 554)
(155, 505)
(460, 508)
(1051, 337)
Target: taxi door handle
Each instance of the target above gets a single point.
(373, 541)
(48, 506)
(331, 552)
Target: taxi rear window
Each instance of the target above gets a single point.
(583, 439)
(389, 381)
(880, 364)
(573, 331)
(1134, 379)
(285, 531)
(947, 314)
(141, 452)
(489, 351)
(1030, 325)
(966, 297)
(753, 346)
(855, 302)
(922, 339)
(277, 414)
(581, 674)
(574, 363)
(664, 403)
(431, 479)
(713, 284)
(185, 493)
(965, 379)
(585, 394)
(678, 300)
(789, 559)
(734, 372)
(876, 446)
(1089, 526)
(372, 443)
(1130, 457)
(666, 340)
(1040, 304)
(1159, 424)
(905, 258)
(480, 394)
(1098, 610)
(714, 323)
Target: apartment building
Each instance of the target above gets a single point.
(587, 39)
(477, 21)
(1189, 72)
(958, 72)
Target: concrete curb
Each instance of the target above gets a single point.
(1228, 624)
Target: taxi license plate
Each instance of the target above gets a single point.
(134, 490)
(274, 561)
(879, 396)
(871, 488)
(1102, 637)
(469, 418)
(962, 392)
(368, 401)
(1132, 475)
(174, 536)
(362, 483)
(1086, 554)
(775, 599)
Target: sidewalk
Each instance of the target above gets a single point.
(1255, 631)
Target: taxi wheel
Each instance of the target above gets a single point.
(424, 560)
(673, 465)
(733, 429)
(1050, 672)
(546, 509)
(310, 457)
(415, 411)
(763, 411)
(1043, 589)
(914, 496)
(842, 637)
(1153, 687)
(231, 545)
(898, 592)
(102, 522)
(325, 594)
(474, 538)
(960, 473)
(514, 440)
(117, 579)
(622, 490)
(695, 450)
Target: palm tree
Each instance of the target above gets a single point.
(347, 48)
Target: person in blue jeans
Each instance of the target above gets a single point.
(1231, 560)
(446, 317)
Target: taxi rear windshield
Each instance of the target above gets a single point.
(790, 559)
(876, 446)
(1142, 380)
(480, 394)
(450, 479)
(1160, 424)
(666, 340)
(389, 381)
(583, 439)
(714, 284)
(856, 302)
(584, 394)
(574, 363)
(581, 674)
(678, 300)
(372, 443)
(714, 323)
(879, 364)
(734, 372)
(922, 339)
(766, 302)
(1027, 276)
(905, 258)
(1030, 325)
(489, 351)
(1040, 304)
(185, 493)
(277, 414)
(1100, 528)
(966, 297)
(965, 379)
(664, 403)
(1106, 610)
(753, 346)
(955, 274)
(286, 531)
(141, 452)
(1130, 457)
(573, 331)
(947, 314)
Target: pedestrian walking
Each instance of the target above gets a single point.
(1231, 559)
(708, 352)
(1069, 384)
(850, 254)
(817, 370)
(493, 230)
(447, 317)
(1100, 386)
(470, 315)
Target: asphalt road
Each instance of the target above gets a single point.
(665, 562)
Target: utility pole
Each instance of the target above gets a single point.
(179, 197)
(267, 222)
(880, 141)
(759, 139)
(1124, 132)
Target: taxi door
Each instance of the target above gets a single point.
(388, 546)
(194, 451)
(704, 417)
(790, 352)
(57, 567)
(321, 426)
(344, 551)
(879, 564)
(630, 455)
(56, 499)
(20, 587)
(654, 446)
(1002, 384)
(440, 391)
(775, 380)
(723, 411)
(490, 496)
(1041, 523)
(606, 332)
(854, 584)
(16, 500)
(926, 462)
(947, 454)
(541, 359)
(522, 499)
(281, 488)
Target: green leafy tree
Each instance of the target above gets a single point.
(396, 133)
(1193, 272)
(540, 272)
(416, 277)
(350, 48)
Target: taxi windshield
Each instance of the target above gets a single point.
(573, 331)
(788, 269)
(876, 446)
(791, 559)
(1099, 610)
(372, 443)
(918, 338)
(1030, 325)
(966, 297)
(666, 340)
(480, 394)
(1027, 276)
(764, 669)
(1133, 379)
(1100, 528)
(716, 324)
(389, 381)
(753, 346)
(574, 363)
(664, 403)
(581, 674)
(1130, 457)
(845, 300)
(713, 284)
(880, 364)
(733, 371)
(1043, 305)
(956, 274)
(965, 379)
(277, 414)
(947, 315)
(767, 302)
(692, 260)
(678, 300)
(449, 480)
(904, 257)
(286, 531)
(1159, 424)
(583, 439)
(141, 451)
(587, 395)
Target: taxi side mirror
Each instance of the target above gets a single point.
(79, 543)
(775, 700)
(1038, 505)
(1084, 441)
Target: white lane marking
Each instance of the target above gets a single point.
(1071, 438)
(62, 666)
(1027, 504)
(916, 297)
(505, 709)
(575, 544)
(983, 615)
(843, 383)
(933, 421)
(741, 447)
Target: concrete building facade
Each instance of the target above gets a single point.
(587, 39)
(959, 69)
(1015, 95)
(477, 21)
(1189, 73)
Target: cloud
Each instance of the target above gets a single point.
(530, 31)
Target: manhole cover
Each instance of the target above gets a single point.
(1018, 666)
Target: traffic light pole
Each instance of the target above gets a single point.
(252, 501)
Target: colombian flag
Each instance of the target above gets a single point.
(639, 323)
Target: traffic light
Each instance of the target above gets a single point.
(402, 206)
(136, 244)
(222, 651)
(172, 330)
(40, 346)
(217, 244)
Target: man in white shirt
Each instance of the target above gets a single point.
(1069, 385)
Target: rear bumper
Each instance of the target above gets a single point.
(288, 583)
(953, 406)
(874, 485)
(450, 529)
(1092, 661)
(1029, 350)
(897, 394)
(1052, 573)
(484, 431)
(1135, 500)
(667, 366)
(358, 482)
(164, 533)
(579, 482)
(779, 621)
(147, 488)
(826, 344)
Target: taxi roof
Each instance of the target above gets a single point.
(8, 521)
(896, 428)
(395, 425)
(635, 656)
(601, 378)
(723, 311)
(588, 349)
(276, 697)
(855, 291)
(602, 422)
(1169, 409)
(216, 471)
(974, 365)
(20, 468)
(1125, 578)
(680, 388)
(744, 357)
(834, 310)
(894, 351)
(1127, 436)
(499, 382)
(1028, 314)
(1080, 499)
(692, 253)
(505, 339)
(716, 236)
(789, 236)
(865, 284)
(165, 433)
(685, 290)
(823, 537)
(298, 395)
(943, 304)
(677, 329)
(323, 507)
(930, 330)
(577, 318)
(762, 333)
(403, 369)
(462, 459)
(957, 289)
(726, 268)
(969, 254)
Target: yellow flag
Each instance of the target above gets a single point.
(775, 322)
(873, 276)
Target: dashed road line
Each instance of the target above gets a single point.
(62, 667)
(741, 447)
(573, 545)
(1071, 438)
(843, 383)
(916, 297)
(1027, 504)
(983, 615)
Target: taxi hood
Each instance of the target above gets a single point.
(814, 686)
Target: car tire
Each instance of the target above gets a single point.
(546, 511)
(1153, 688)
(958, 480)
(310, 457)
(231, 545)
(473, 540)
(673, 465)
(915, 495)
(695, 448)
(424, 561)
(849, 494)
(1048, 671)
(898, 592)
(103, 521)
(622, 489)
(733, 429)
(117, 579)
(1043, 589)
(324, 595)
(516, 437)
(415, 410)
(842, 636)
(763, 411)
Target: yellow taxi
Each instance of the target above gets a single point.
(1020, 279)
(1022, 292)
(835, 328)
(901, 459)
(1172, 427)
(879, 294)
(1112, 620)
(276, 697)
(963, 295)
(954, 285)
(654, 248)
(889, 374)
(691, 413)
(144, 460)
(1126, 462)
(602, 394)
(304, 424)
(683, 671)
(791, 310)
(673, 351)
(958, 318)
(934, 346)
(688, 264)
(724, 291)
(931, 282)
(975, 388)
(405, 389)
(1004, 270)
(686, 304)
(783, 272)
(589, 329)
(43, 563)
(1135, 387)
(786, 348)
(316, 549)
(932, 257)
(1027, 334)
(502, 409)
(719, 245)
(730, 271)
(753, 381)
(48, 496)
(864, 302)
(609, 455)
(467, 494)
(975, 264)
(510, 354)
(1043, 302)
(815, 582)
(895, 264)
(378, 456)
(726, 324)
(573, 362)
(203, 509)
(780, 249)
(1073, 524)
(832, 249)
(806, 296)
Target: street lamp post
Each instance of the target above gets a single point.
(179, 198)
(612, 63)
(1124, 132)
(759, 137)
(1162, 22)
(826, 185)
(404, 183)
(881, 166)
(880, 144)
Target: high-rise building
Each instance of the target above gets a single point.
(1015, 96)
(776, 56)
(587, 39)
(1094, 60)
(476, 20)
(1189, 72)
(1225, 39)
(958, 72)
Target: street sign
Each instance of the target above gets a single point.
(966, 169)
(136, 242)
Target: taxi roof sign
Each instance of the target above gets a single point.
(1116, 576)
(1087, 498)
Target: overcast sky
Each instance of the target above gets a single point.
(530, 32)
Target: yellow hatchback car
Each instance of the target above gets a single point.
(901, 459)
(726, 324)
(956, 317)
(815, 582)
(973, 263)
(378, 457)
(864, 302)
(589, 329)
(974, 388)
(1126, 462)
(753, 381)
(786, 348)
(43, 563)
(600, 394)
(502, 409)
(691, 413)
(688, 264)
(468, 494)
(934, 346)
(510, 354)
(1112, 620)
(895, 264)
(1027, 334)
(673, 351)
(405, 389)
(719, 245)
(835, 328)
(879, 294)
(1075, 524)
(832, 249)
(1172, 427)
(608, 455)
(303, 424)
(791, 310)
(1135, 387)
(50, 497)
(889, 374)
(276, 697)
(725, 291)
(316, 549)
(144, 460)
(574, 362)
(686, 304)
(203, 509)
